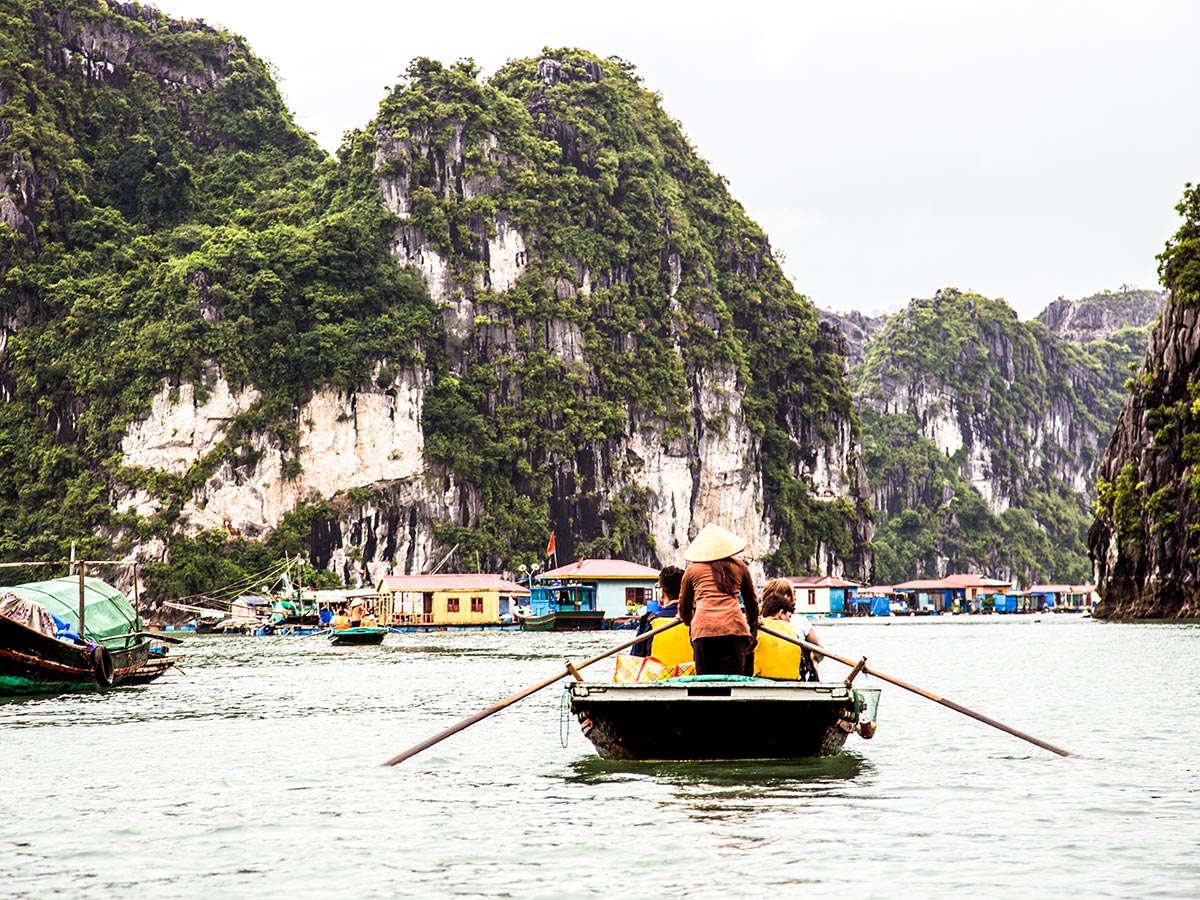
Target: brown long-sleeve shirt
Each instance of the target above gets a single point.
(710, 612)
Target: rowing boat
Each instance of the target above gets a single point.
(363, 635)
(721, 717)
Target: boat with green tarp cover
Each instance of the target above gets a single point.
(73, 633)
(721, 717)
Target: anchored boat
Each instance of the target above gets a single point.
(562, 607)
(73, 633)
(722, 717)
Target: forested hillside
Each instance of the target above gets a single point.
(512, 307)
(982, 433)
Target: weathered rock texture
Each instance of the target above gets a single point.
(1102, 315)
(989, 430)
(1145, 540)
(573, 249)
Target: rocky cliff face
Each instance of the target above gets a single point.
(1102, 315)
(709, 470)
(1146, 535)
(857, 329)
(591, 340)
(982, 437)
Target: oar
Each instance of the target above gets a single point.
(159, 636)
(521, 695)
(950, 704)
(153, 635)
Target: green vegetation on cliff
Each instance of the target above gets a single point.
(1022, 416)
(1145, 540)
(586, 165)
(164, 221)
(164, 231)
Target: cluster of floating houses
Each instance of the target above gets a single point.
(609, 593)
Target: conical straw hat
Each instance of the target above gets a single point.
(712, 543)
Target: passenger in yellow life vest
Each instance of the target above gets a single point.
(774, 658)
(341, 621)
(673, 647)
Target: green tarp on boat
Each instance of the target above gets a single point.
(107, 613)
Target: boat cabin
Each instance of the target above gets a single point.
(622, 588)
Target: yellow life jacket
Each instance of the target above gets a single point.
(774, 658)
(672, 647)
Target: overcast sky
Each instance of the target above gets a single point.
(1024, 150)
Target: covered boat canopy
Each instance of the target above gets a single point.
(108, 615)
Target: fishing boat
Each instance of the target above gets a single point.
(562, 607)
(359, 635)
(721, 717)
(74, 633)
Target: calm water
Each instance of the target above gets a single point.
(255, 773)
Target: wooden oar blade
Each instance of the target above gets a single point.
(522, 694)
(949, 704)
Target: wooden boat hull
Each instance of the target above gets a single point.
(584, 620)
(710, 718)
(538, 623)
(33, 663)
(358, 636)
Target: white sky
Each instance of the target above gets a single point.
(1024, 150)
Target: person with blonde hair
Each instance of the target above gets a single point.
(715, 586)
(780, 659)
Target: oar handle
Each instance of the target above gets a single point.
(949, 704)
(521, 695)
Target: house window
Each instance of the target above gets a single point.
(451, 604)
(812, 598)
(476, 604)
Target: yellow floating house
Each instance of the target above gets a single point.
(447, 600)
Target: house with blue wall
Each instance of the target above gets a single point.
(954, 593)
(622, 588)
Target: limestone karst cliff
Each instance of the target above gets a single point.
(513, 306)
(982, 433)
(1146, 535)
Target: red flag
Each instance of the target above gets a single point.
(550, 546)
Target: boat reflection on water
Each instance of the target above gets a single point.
(750, 775)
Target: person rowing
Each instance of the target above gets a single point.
(722, 631)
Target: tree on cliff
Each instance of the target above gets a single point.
(1145, 539)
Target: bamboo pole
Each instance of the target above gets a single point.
(522, 694)
(949, 704)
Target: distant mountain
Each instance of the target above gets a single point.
(982, 433)
(858, 329)
(1103, 315)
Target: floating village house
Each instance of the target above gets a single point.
(823, 595)
(622, 588)
(447, 600)
(954, 593)
(1063, 597)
